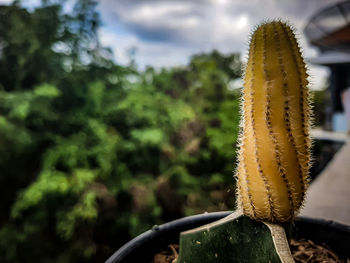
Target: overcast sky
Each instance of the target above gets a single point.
(167, 32)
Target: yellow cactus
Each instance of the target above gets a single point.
(274, 156)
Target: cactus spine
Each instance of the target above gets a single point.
(274, 154)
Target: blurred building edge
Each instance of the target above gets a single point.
(329, 30)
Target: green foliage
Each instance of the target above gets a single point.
(93, 153)
(221, 132)
(319, 102)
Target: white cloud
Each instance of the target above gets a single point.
(5, 2)
(119, 45)
(167, 14)
(157, 54)
(167, 32)
(242, 21)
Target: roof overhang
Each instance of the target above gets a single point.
(329, 58)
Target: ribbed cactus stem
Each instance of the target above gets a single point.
(274, 154)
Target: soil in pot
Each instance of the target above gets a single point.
(306, 251)
(168, 255)
(303, 251)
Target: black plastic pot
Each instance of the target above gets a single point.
(143, 248)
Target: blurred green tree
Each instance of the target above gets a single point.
(93, 153)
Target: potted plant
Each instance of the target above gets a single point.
(144, 247)
(272, 172)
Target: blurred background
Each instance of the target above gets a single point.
(116, 115)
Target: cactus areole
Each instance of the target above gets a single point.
(274, 155)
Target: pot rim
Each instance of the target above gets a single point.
(185, 223)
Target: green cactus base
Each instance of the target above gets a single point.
(235, 238)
